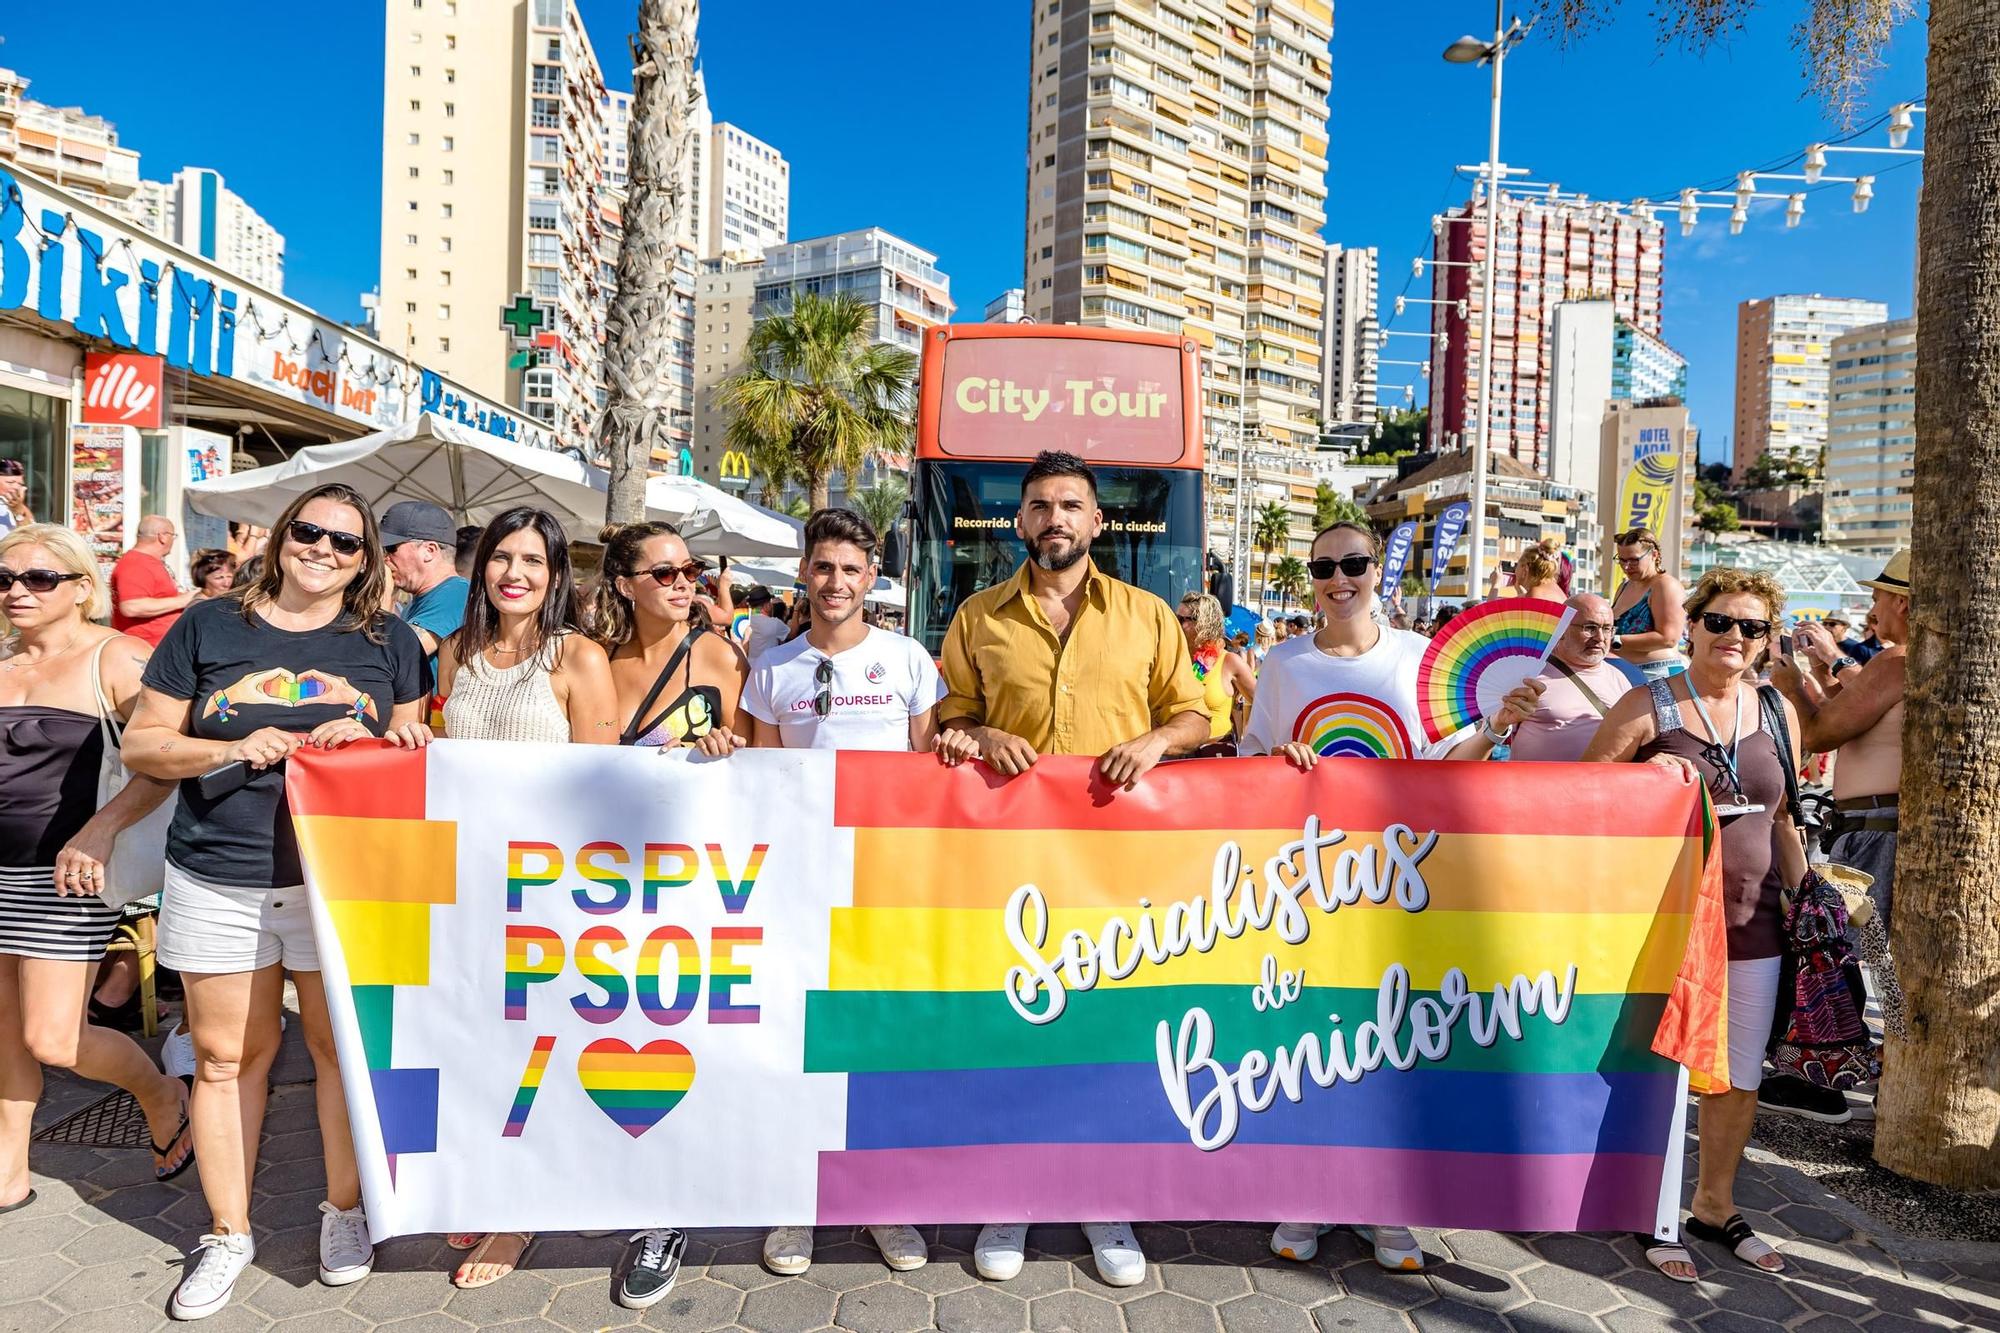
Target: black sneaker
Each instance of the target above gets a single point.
(652, 1262)
(1795, 1096)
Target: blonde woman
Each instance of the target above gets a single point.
(1227, 681)
(1538, 572)
(55, 665)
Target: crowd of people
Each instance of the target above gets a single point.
(343, 625)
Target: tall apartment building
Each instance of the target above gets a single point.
(66, 144)
(1009, 307)
(1871, 439)
(198, 212)
(1782, 349)
(725, 303)
(1348, 344)
(1177, 181)
(491, 187)
(749, 192)
(1548, 252)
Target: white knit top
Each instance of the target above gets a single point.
(515, 703)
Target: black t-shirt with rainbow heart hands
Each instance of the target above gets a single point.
(240, 675)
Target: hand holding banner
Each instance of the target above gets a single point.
(616, 989)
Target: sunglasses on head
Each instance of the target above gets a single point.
(823, 687)
(34, 580)
(1324, 566)
(664, 575)
(309, 534)
(1717, 623)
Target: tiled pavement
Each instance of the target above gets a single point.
(100, 1250)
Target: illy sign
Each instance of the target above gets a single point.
(123, 389)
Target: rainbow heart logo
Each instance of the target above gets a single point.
(636, 1088)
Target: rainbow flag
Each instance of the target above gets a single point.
(958, 1109)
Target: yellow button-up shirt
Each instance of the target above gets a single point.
(1123, 670)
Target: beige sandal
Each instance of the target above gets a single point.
(463, 1240)
(479, 1255)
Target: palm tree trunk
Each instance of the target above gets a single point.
(816, 490)
(1939, 1109)
(639, 325)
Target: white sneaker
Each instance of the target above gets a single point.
(788, 1251)
(211, 1274)
(1120, 1261)
(903, 1248)
(345, 1253)
(177, 1052)
(1000, 1250)
(1395, 1248)
(1297, 1241)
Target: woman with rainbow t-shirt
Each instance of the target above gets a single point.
(1348, 690)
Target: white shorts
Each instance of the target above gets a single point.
(1753, 1002)
(207, 927)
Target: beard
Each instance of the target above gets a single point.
(1056, 564)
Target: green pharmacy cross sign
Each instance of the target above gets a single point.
(523, 316)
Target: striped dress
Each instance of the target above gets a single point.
(49, 760)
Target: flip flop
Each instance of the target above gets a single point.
(478, 1256)
(165, 1174)
(1659, 1253)
(18, 1204)
(1744, 1243)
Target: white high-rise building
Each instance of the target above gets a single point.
(748, 201)
(1348, 346)
(1783, 346)
(197, 212)
(69, 146)
(1871, 438)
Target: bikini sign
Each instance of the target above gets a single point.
(621, 986)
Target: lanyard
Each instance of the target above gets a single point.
(1727, 752)
(1589, 695)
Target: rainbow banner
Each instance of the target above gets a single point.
(579, 988)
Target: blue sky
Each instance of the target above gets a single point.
(910, 115)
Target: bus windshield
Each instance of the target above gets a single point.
(965, 540)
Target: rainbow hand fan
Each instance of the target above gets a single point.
(1481, 655)
(739, 626)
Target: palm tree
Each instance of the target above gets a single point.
(817, 395)
(1330, 507)
(1937, 1116)
(1272, 530)
(1290, 579)
(882, 504)
(639, 324)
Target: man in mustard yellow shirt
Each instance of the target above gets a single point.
(1064, 659)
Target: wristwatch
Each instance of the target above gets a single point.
(1841, 663)
(1497, 737)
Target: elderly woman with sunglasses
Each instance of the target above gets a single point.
(58, 674)
(1711, 724)
(676, 681)
(304, 656)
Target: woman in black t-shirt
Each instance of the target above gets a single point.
(304, 656)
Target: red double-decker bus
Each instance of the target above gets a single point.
(992, 396)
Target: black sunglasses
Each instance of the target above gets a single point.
(1717, 623)
(1354, 566)
(664, 575)
(1186, 617)
(34, 580)
(823, 680)
(309, 534)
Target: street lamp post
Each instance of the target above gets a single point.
(1472, 51)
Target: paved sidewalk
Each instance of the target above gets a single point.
(101, 1248)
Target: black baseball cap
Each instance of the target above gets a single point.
(417, 521)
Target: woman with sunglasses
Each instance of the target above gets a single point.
(1347, 690)
(1709, 723)
(306, 655)
(58, 671)
(676, 682)
(517, 670)
(1647, 610)
(1228, 684)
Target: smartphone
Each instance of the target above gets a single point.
(220, 782)
(1785, 645)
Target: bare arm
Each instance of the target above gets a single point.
(1626, 727)
(923, 729)
(1669, 619)
(157, 742)
(1864, 697)
(144, 608)
(583, 681)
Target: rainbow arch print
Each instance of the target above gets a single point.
(1352, 726)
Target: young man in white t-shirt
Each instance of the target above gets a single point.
(842, 685)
